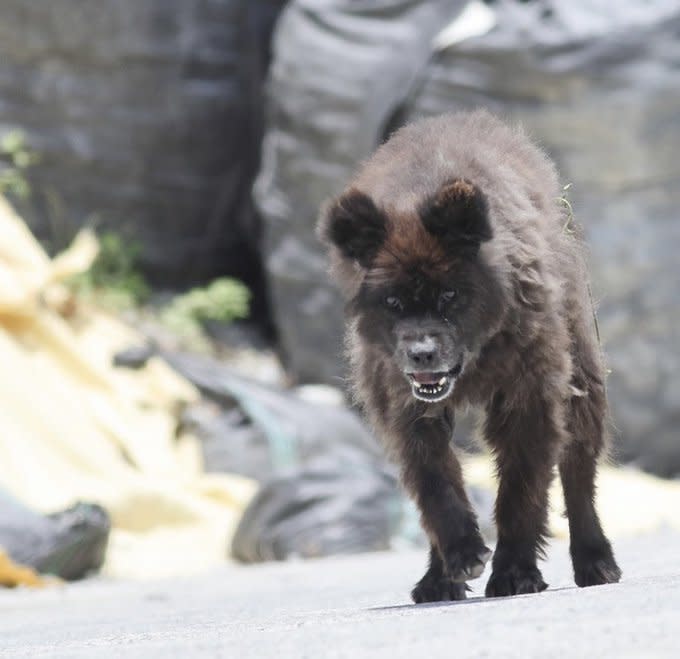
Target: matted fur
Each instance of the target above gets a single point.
(466, 198)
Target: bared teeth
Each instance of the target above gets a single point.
(430, 388)
(432, 391)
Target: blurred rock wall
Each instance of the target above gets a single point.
(146, 115)
(600, 90)
(608, 110)
(338, 72)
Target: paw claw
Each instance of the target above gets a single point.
(438, 590)
(597, 573)
(466, 563)
(515, 580)
(594, 564)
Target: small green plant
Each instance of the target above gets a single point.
(563, 199)
(15, 159)
(570, 229)
(114, 280)
(223, 300)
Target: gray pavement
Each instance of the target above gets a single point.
(354, 607)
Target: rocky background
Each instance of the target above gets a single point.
(148, 115)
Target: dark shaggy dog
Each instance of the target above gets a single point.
(466, 285)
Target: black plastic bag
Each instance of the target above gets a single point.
(326, 487)
(335, 504)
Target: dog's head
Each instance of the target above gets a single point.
(426, 299)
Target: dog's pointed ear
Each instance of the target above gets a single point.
(458, 214)
(355, 225)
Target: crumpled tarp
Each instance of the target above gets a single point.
(75, 428)
(325, 487)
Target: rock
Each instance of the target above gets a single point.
(147, 119)
(68, 543)
(327, 112)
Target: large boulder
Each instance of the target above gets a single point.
(598, 89)
(146, 117)
(338, 71)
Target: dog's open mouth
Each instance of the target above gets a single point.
(432, 387)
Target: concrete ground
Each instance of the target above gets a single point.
(354, 606)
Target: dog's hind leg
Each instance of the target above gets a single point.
(525, 441)
(591, 553)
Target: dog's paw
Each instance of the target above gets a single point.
(515, 580)
(437, 589)
(595, 566)
(467, 559)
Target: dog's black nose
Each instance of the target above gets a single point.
(422, 354)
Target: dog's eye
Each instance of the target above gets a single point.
(392, 302)
(447, 296)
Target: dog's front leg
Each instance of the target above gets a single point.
(432, 474)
